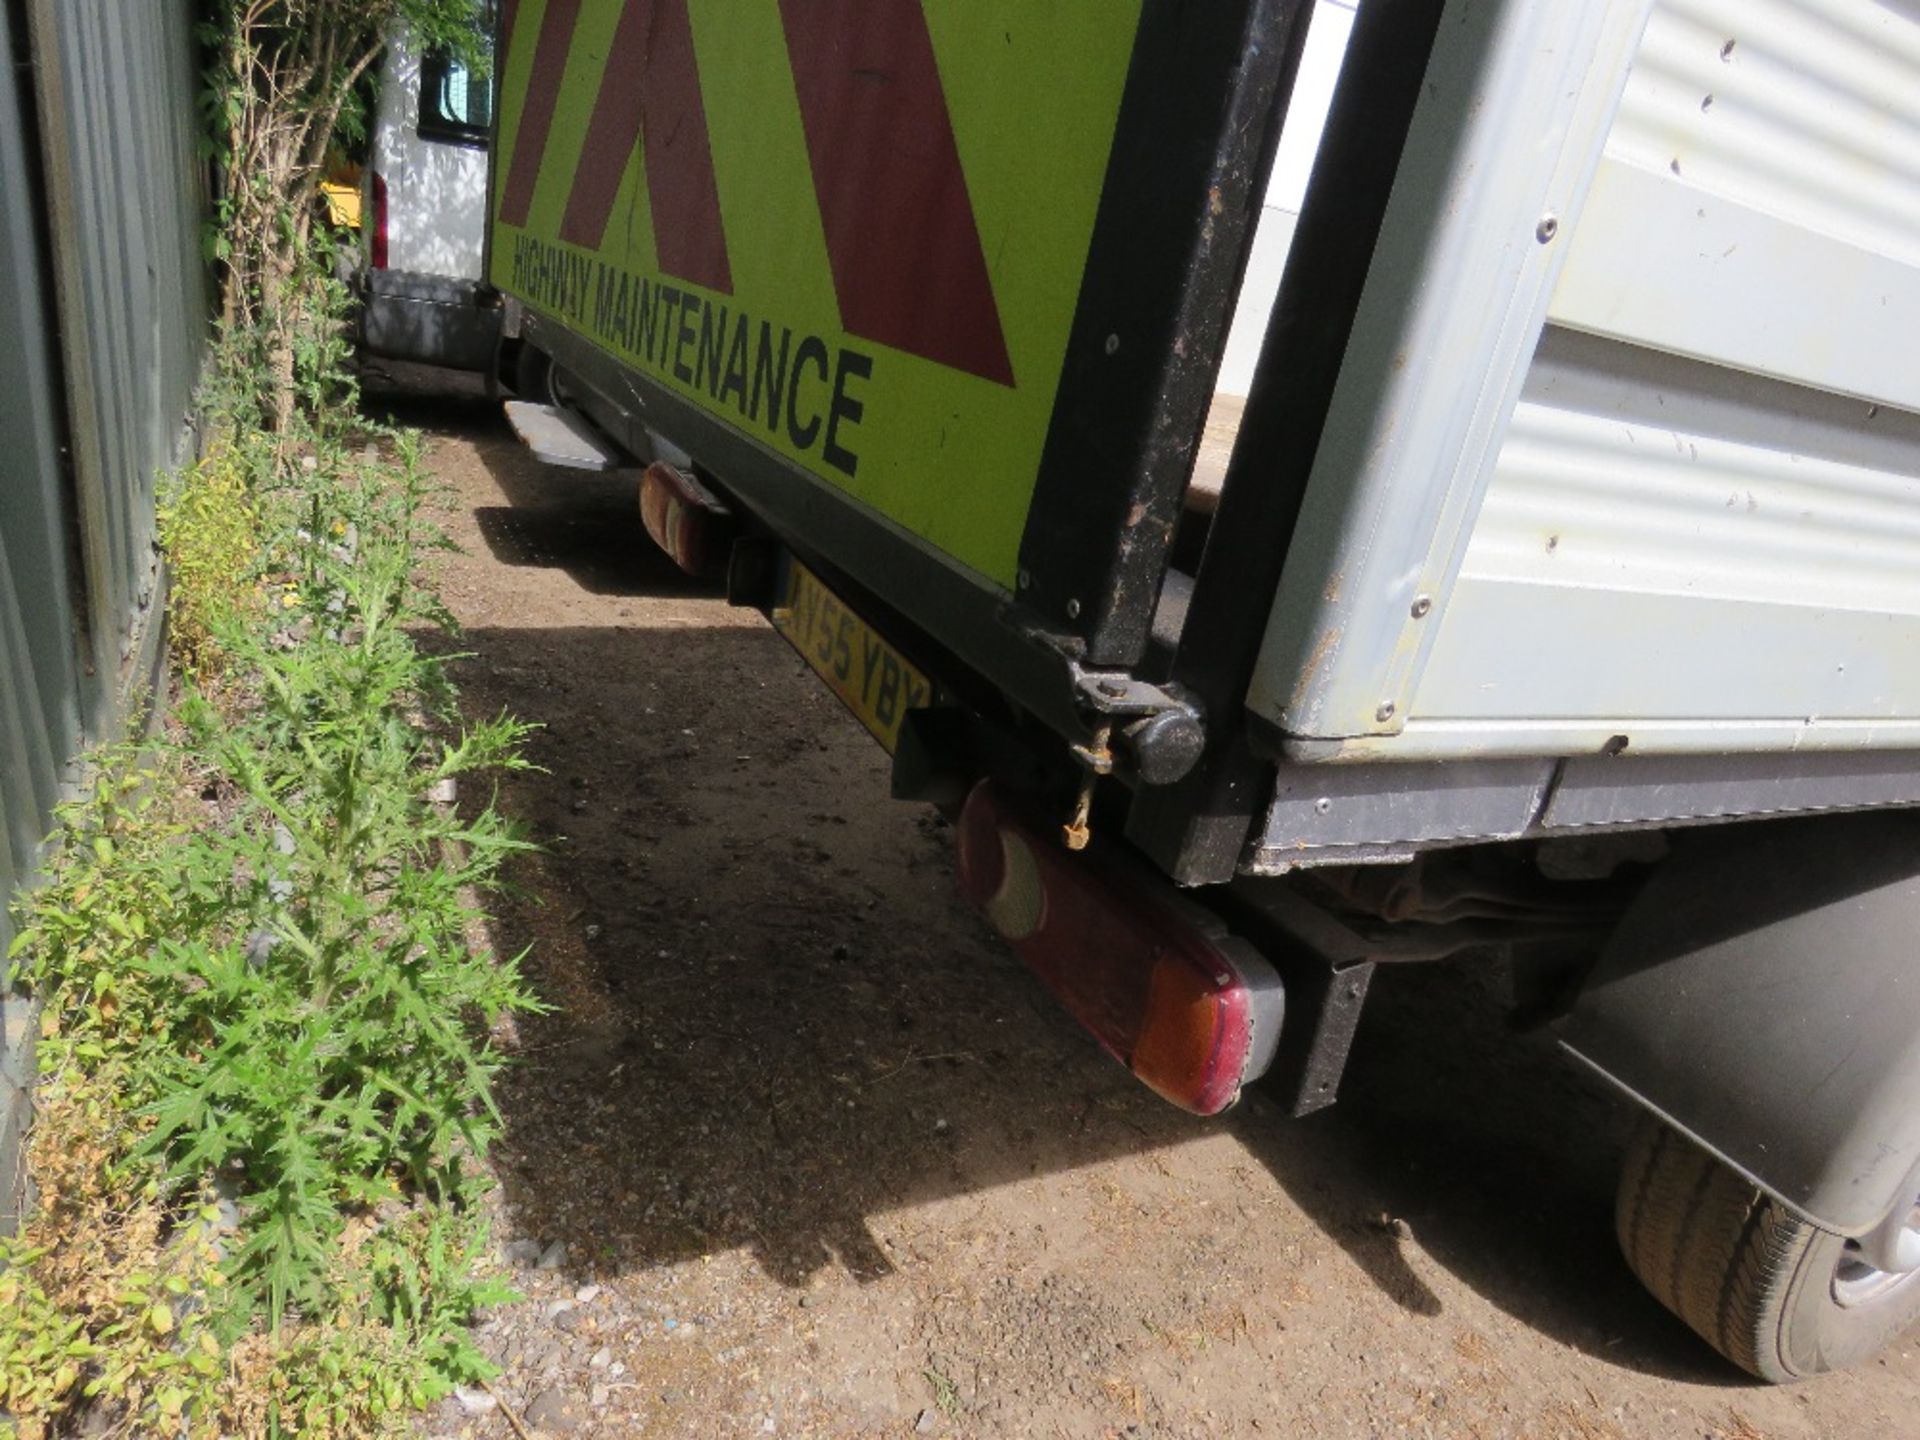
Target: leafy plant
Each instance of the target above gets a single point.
(266, 1071)
(253, 950)
(104, 1303)
(210, 530)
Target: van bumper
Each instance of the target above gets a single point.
(428, 318)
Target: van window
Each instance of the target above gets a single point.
(456, 105)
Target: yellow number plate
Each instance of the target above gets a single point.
(872, 679)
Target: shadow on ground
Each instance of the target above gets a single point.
(776, 1020)
(779, 1020)
(584, 523)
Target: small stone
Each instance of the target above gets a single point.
(554, 1256)
(599, 1396)
(1392, 1225)
(602, 1358)
(570, 1319)
(580, 806)
(587, 1294)
(940, 1127)
(475, 1402)
(924, 1425)
(553, 1410)
(672, 1397)
(444, 791)
(592, 932)
(617, 1369)
(521, 1252)
(806, 1302)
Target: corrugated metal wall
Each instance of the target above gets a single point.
(125, 199)
(104, 317)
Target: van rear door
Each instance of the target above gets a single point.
(938, 289)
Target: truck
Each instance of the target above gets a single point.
(1309, 487)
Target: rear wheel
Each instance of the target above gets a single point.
(537, 378)
(1777, 1295)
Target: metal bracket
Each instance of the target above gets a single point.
(1160, 730)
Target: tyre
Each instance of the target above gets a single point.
(537, 378)
(1778, 1296)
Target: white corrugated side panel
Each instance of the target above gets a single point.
(1703, 532)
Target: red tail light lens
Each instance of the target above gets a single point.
(1192, 1010)
(686, 519)
(377, 233)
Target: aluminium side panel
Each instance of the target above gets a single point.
(1699, 525)
(1505, 138)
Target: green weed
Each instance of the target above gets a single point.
(265, 1033)
(210, 531)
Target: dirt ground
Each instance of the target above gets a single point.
(802, 1150)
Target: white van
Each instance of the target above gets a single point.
(425, 212)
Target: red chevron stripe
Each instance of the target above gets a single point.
(901, 234)
(650, 94)
(536, 114)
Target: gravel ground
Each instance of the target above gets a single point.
(802, 1151)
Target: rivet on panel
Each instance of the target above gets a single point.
(1548, 227)
(1422, 606)
(1385, 712)
(1073, 609)
(1113, 344)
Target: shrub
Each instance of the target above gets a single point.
(266, 1032)
(210, 531)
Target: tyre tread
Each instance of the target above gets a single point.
(1711, 1247)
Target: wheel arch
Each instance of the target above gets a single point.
(1762, 996)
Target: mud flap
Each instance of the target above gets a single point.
(1763, 996)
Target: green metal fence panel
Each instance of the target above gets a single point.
(104, 321)
(117, 85)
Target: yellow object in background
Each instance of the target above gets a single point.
(341, 191)
(343, 203)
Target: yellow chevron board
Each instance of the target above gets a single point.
(855, 230)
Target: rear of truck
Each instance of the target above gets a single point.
(1564, 529)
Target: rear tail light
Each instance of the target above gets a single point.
(377, 232)
(1193, 1011)
(686, 519)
